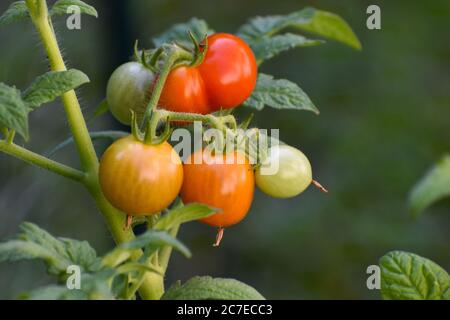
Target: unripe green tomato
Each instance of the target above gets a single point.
(128, 89)
(289, 178)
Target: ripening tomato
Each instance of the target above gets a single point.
(129, 89)
(211, 180)
(225, 78)
(286, 172)
(140, 179)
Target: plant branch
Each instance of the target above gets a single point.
(174, 54)
(41, 161)
(166, 252)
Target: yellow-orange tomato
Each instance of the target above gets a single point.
(214, 182)
(140, 179)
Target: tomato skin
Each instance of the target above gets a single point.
(229, 71)
(140, 179)
(226, 186)
(128, 89)
(293, 176)
(184, 91)
(225, 78)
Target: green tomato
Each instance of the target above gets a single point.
(286, 172)
(128, 89)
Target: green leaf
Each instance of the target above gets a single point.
(53, 84)
(184, 214)
(267, 47)
(179, 33)
(208, 288)
(322, 23)
(13, 110)
(77, 252)
(82, 254)
(153, 240)
(406, 276)
(279, 94)
(97, 285)
(101, 109)
(97, 135)
(53, 292)
(36, 243)
(434, 186)
(17, 11)
(17, 250)
(60, 7)
(32, 233)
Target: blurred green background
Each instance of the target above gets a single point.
(385, 115)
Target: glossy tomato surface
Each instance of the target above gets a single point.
(229, 71)
(140, 179)
(226, 186)
(128, 90)
(225, 78)
(184, 91)
(285, 174)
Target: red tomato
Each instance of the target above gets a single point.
(225, 78)
(140, 179)
(214, 182)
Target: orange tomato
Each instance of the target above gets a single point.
(140, 179)
(214, 182)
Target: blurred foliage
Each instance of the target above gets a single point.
(384, 119)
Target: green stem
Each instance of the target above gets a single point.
(89, 161)
(41, 161)
(88, 157)
(164, 255)
(174, 54)
(10, 136)
(5, 132)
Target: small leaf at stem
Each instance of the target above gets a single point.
(13, 110)
(17, 11)
(100, 110)
(152, 240)
(53, 84)
(63, 7)
(187, 213)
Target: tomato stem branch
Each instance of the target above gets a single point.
(40, 161)
(174, 54)
(4, 132)
(165, 253)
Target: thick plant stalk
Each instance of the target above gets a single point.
(152, 287)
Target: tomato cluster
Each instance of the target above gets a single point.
(141, 178)
(224, 79)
